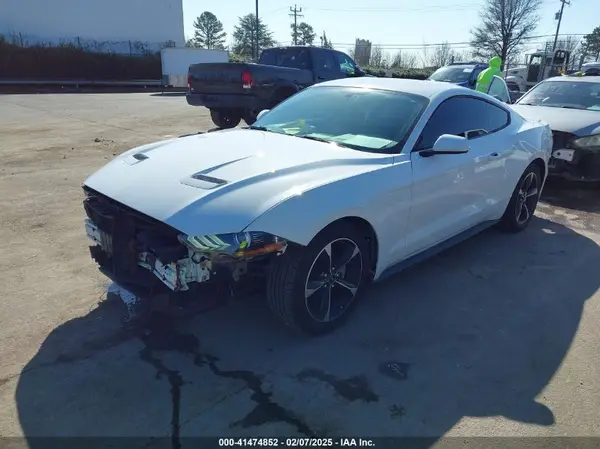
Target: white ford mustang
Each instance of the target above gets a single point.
(338, 186)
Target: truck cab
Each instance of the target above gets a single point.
(538, 66)
(460, 73)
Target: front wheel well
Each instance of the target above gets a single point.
(370, 236)
(541, 165)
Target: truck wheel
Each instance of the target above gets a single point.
(225, 118)
(279, 96)
(250, 117)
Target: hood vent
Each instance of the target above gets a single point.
(201, 177)
(140, 156)
(202, 181)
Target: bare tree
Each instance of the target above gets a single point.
(377, 57)
(441, 55)
(403, 60)
(409, 60)
(463, 55)
(425, 56)
(505, 26)
(352, 53)
(572, 44)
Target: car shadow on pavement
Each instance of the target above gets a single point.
(584, 198)
(477, 331)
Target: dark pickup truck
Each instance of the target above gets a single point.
(235, 91)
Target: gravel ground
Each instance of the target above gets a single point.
(495, 337)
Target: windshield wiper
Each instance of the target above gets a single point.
(257, 128)
(321, 139)
(527, 104)
(569, 107)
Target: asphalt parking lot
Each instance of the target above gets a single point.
(495, 337)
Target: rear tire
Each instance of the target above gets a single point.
(305, 288)
(523, 202)
(280, 96)
(249, 117)
(226, 118)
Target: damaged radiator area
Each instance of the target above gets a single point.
(570, 163)
(135, 250)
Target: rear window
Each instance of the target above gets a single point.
(453, 74)
(296, 58)
(573, 94)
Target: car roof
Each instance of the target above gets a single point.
(571, 78)
(475, 63)
(425, 88)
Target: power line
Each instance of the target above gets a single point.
(295, 14)
(417, 46)
(387, 9)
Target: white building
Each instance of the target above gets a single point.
(111, 24)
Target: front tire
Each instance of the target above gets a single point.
(249, 117)
(226, 118)
(314, 289)
(523, 202)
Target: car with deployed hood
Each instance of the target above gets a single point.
(339, 186)
(571, 106)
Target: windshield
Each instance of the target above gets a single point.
(459, 74)
(564, 94)
(363, 119)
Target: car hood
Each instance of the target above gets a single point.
(221, 181)
(574, 121)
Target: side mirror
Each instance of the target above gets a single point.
(261, 113)
(447, 144)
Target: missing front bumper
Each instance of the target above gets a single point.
(574, 165)
(175, 275)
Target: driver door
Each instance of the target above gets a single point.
(455, 192)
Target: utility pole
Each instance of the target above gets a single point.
(295, 14)
(257, 32)
(562, 8)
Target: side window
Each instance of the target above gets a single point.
(346, 65)
(325, 61)
(458, 116)
(499, 90)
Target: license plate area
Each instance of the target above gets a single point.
(563, 155)
(96, 235)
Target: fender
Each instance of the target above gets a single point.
(375, 196)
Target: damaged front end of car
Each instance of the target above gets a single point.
(575, 158)
(147, 256)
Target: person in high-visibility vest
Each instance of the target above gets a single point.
(485, 78)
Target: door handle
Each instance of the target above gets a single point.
(494, 154)
(320, 77)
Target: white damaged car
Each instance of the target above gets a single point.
(340, 185)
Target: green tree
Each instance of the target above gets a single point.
(306, 34)
(208, 32)
(591, 43)
(244, 36)
(326, 43)
(505, 27)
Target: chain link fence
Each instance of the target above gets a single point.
(28, 57)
